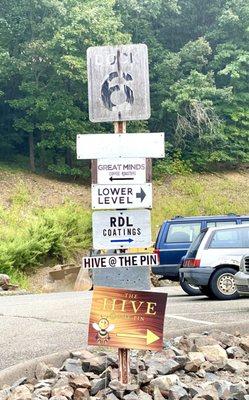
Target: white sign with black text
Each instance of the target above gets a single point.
(121, 260)
(116, 170)
(110, 197)
(121, 229)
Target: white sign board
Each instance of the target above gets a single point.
(110, 197)
(116, 170)
(121, 229)
(121, 260)
(118, 83)
(124, 145)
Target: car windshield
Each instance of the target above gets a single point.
(192, 251)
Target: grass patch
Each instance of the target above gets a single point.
(198, 194)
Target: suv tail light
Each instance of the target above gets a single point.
(192, 263)
(157, 251)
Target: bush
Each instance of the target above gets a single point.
(53, 232)
(171, 166)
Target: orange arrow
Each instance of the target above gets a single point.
(150, 336)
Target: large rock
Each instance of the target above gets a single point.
(79, 381)
(73, 365)
(111, 396)
(201, 341)
(157, 394)
(207, 394)
(58, 398)
(186, 344)
(143, 396)
(215, 354)
(81, 354)
(162, 364)
(4, 279)
(223, 389)
(95, 364)
(44, 371)
(43, 391)
(97, 385)
(20, 393)
(196, 359)
(236, 366)
(178, 393)
(244, 343)
(81, 394)
(165, 382)
(62, 388)
(144, 377)
(235, 352)
(131, 396)
(224, 338)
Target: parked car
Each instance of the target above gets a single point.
(242, 277)
(214, 258)
(176, 235)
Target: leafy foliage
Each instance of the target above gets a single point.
(199, 54)
(57, 232)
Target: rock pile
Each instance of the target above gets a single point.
(208, 366)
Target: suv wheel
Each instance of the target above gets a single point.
(190, 289)
(222, 284)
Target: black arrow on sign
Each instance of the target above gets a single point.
(120, 179)
(141, 195)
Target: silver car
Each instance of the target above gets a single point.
(242, 277)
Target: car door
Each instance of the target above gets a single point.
(175, 241)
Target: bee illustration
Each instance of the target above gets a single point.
(103, 327)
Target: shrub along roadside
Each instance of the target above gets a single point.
(26, 240)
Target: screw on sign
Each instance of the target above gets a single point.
(118, 83)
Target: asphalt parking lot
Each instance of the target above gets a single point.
(36, 325)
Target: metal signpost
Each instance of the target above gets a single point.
(118, 91)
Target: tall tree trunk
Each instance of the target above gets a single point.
(31, 152)
(69, 160)
(42, 154)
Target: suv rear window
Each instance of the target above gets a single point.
(192, 251)
(227, 238)
(183, 233)
(220, 223)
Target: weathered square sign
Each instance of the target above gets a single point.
(118, 83)
(127, 319)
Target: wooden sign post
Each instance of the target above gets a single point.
(127, 319)
(118, 91)
(123, 354)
